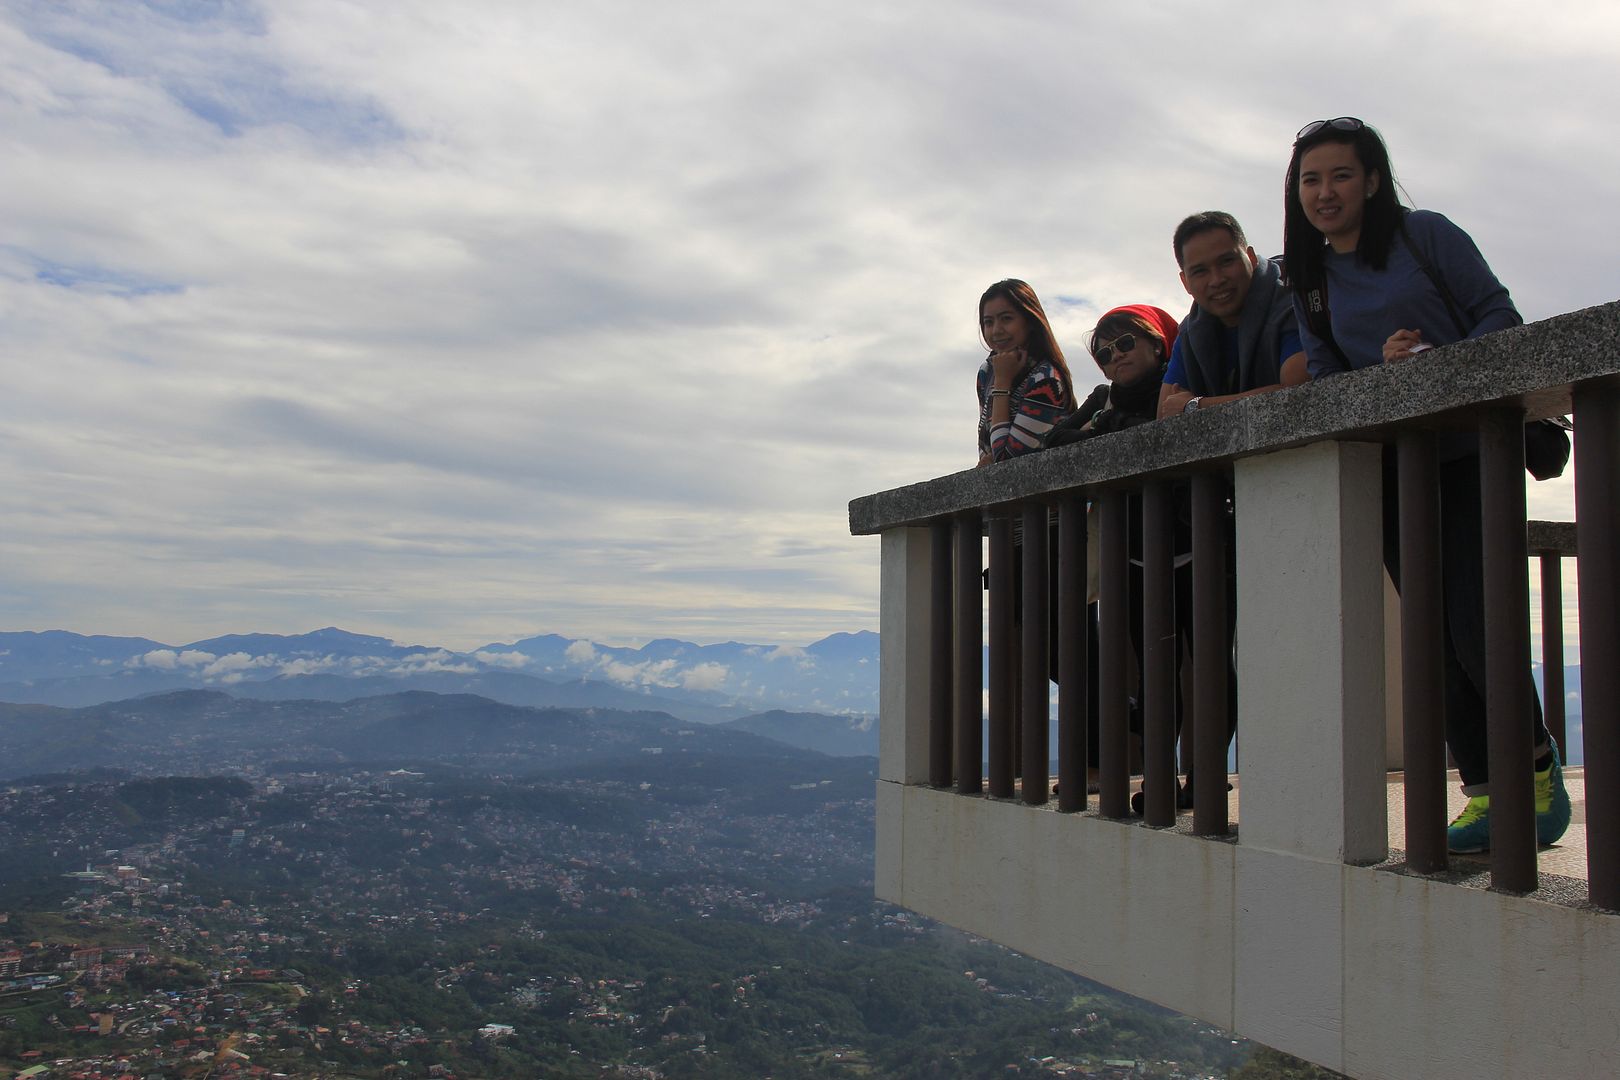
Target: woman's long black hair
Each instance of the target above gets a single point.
(1381, 217)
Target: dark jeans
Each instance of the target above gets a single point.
(1462, 566)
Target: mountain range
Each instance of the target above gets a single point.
(758, 687)
(194, 732)
(837, 675)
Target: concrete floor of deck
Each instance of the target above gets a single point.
(1567, 858)
(1564, 860)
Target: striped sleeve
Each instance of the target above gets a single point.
(1036, 405)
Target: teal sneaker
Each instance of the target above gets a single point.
(1553, 809)
(1471, 832)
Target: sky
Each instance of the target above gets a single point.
(460, 323)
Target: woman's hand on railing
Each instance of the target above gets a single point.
(1403, 345)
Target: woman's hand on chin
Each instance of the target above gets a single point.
(1005, 367)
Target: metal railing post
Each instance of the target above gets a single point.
(1001, 657)
(1113, 633)
(1423, 701)
(1159, 649)
(1597, 531)
(1073, 663)
(1508, 690)
(1552, 647)
(939, 655)
(1212, 649)
(1036, 722)
(968, 667)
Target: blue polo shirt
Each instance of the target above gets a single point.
(1175, 372)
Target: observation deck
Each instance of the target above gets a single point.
(1314, 907)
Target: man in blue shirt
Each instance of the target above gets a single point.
(1240, 338)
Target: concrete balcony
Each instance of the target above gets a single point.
(1303, 919)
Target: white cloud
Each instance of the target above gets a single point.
(593, 319)
(646, 673)
(170, 660)
(437, 666)
(233, 665)
(580, 652)
(315, 665)
(502, 659)
(705, 676)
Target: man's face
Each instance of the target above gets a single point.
(1216, 273)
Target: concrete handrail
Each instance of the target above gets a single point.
(1533, 366)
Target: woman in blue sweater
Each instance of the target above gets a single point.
(1374, 282)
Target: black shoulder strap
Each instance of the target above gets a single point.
(1435, 280)
(1319, 320)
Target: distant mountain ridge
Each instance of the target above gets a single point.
(199, 732)
(839, 736)
(701, 683)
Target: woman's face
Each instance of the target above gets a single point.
(1333, 190)
(1003, 324)
(1126, 365)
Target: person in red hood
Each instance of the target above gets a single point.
(1131, 345)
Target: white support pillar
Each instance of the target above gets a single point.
(1310, 665)
(1310, 652)
(903, 656)
(903, 614)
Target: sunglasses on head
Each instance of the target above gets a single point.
(1338, 123)
(1123, 344)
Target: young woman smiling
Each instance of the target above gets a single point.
(1357, 258)
(1373, 283)
(1024, 385)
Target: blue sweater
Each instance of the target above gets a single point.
(1366, 306)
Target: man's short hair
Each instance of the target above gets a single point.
(1203, 222)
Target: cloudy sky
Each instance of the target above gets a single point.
(459, 322)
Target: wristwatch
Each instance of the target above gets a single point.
(1192, 406)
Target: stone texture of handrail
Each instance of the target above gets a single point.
(1552, 536)
(1533, 366)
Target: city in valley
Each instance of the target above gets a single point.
(195, 884)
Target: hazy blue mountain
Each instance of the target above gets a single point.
(326, 642)
(839, 736)
(201, 732)
(837, 675)
(82, 690)
(499, 686)
(45, 654)
(847, 648)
